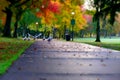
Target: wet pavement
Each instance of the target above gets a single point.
(59, 60)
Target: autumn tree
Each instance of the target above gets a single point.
(57, 12)
(69, 6)
(8, 9)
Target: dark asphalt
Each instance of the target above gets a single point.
(59, 60)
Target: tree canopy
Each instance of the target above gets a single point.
(105, 8)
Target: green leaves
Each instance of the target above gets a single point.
(29, 18)
(106, 7)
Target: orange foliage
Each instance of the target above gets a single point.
(3, 20)
(47, 9)
(38, 14)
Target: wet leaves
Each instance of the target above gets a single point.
(19, 68)
(90, 64)
(74, 54)
(59, 64)
(110, 51)
(98, 79)
(101, 60)
(42, 79)
(35, 49)
(104, 65)
(81, 64)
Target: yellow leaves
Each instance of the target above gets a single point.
(24, 6)
(67, 2)
(117, 27)
(65, 19)
(118, 17)
(43, 20)
(57, 2)
(56, 26)
(3, 4)
(64, 16)
(80, 21)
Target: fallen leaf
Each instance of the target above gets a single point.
(74, 54)
(90, 64)
(104, 65)
(101, 60)
(19, 68)
(43, 79)
(81, 64)
(35, 49)
(98, 79)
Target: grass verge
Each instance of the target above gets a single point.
(113, 43)
(10, 50)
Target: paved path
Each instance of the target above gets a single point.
(65, 61)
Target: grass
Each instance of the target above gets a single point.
(113, 43)
(10, 50)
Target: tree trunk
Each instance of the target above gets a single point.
(18, 16)
(16, 24)
(7, 31)
(103, 26)
(82, 34)
(65, 31)
(15, 29)
(98, 31)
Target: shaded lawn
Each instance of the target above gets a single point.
(10, 50)
(113, 43)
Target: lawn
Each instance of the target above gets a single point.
(112, 43)
(10, 50)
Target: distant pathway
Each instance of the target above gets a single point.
(59, 60)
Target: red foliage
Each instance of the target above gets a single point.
(54, 7)
(88, 18)
(50, 6)
(46, 8)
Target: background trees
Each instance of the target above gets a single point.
(103, 9)
(54, 16)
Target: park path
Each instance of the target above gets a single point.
(59, 60)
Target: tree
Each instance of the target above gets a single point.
(98, 6)
(27, 19)
(113, 6)
(48, 10)
(9, 10)
(67, 7)
(9, 13)
(19, 9)
(104, 8)
(18, 15)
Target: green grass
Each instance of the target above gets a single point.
(10, 50)
(113, 43)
